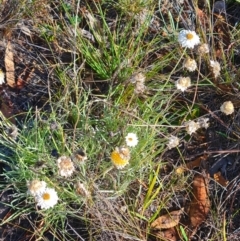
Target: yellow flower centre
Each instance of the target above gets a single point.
(130, 139)
(46, 196)
(117, 159)
(189, 36)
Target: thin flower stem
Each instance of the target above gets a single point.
(174, 69)
(196, 89)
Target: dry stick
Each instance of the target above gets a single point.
(221, 151)
(9, 65)
(214, 152)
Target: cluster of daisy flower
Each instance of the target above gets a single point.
(65, 164)
(191, 127)
(44, 196)
(121, 155)
(189, 39)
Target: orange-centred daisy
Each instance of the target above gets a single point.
(120, 157)
(188, 39)
(131, 139)
(47, 198)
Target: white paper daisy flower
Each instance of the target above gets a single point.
(131, 139)
(188, 39)
(36, 186)
(47, 198)
(183, 83)
(227, 107)
(65, 166)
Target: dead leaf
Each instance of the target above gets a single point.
(24, 29)
(170, 234)
(192, 164)
(24, 78)
(202, 18)
(86, 34)
(9, 65)
(200, 204)
(197, 162)
(220, 179)
(7, 111)
(93, 23)
(168, 220)
(223, 41)
(20, 84)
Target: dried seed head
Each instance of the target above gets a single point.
(227, 108)
(190, 64)
(183, 83)
(192, 127)
(35, 186)
(138, 77)
(203, 49)
(65, 166)
(216, 68)
(173, 141)
(13, 132)
(79, 156)
(82, 190)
